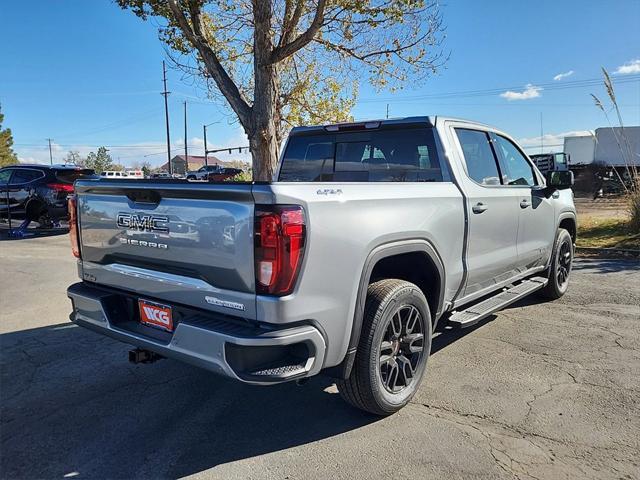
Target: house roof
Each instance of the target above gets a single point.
(195, 161)
(199, 159)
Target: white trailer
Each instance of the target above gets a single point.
(611, 147)
(616, 147)
(581, 150)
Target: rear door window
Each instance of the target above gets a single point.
(478, 156)
(70, 176)
(4, 176)
(23, 175)
(385, 155)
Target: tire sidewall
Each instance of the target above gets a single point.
(405, 296)
(562, 237)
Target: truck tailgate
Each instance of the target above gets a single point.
(187, 243)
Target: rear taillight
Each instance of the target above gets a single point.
(73, 226)
(61, 187)
(279, 247)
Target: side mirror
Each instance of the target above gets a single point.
(559, 180)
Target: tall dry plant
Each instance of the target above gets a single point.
(631, 184)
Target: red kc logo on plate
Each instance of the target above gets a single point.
(156, 315)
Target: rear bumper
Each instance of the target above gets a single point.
(241, 351)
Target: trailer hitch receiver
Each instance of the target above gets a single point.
(140, 355)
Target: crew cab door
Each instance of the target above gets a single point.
(536, 226)
(5, 175)
(492, 210)
(18, 190)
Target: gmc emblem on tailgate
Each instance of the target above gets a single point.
(148, 223)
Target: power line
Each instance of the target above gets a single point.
(497, 91)
(530, 147)
(115, 124)
(91, 146)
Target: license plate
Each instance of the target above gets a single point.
(156, 315)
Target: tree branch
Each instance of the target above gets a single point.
(223, 81)
(290, 21)
(304, 38)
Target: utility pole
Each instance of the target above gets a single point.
(204, 127)
(186, 151)
(541, 134)
(387, 111)
(206, 151)
(166, 93)
(50, 154)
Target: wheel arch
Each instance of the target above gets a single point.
(391, 261)
(33, 207)
(568, 221)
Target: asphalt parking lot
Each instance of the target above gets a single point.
(541, 390)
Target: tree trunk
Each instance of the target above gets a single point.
(264, 153)
(263, 138)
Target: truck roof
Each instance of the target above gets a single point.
(430, 121)
(41, 166)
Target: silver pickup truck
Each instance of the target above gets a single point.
(372, 234)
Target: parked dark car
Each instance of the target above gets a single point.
(223, 174)
(38, 192)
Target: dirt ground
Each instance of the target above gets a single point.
(601, 208)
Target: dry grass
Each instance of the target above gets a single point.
(607, 233)
(634, 208)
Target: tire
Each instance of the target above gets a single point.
(36, 211)
(372, 385)
(191, 177)
(45, 221)
(560, 268)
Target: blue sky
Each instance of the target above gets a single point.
(86, 73)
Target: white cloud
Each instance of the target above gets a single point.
(530, 91)
(629, 68)
(553, 142)
(560, 76)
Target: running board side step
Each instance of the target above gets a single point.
(475, 313)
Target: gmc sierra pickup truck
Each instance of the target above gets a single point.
(371, 234)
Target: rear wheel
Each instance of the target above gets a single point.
(394, 347)
(560, 268)
(36, 211)
(44, 220)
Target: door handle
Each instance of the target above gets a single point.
(525, 203)
(479, 207)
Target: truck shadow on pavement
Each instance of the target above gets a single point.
(72, 405)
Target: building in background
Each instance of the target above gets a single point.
(179, 163)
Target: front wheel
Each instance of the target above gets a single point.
(393, 350)
(560, 268)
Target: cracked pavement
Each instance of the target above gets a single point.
(539, 391)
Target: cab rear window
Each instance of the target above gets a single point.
(387, 155)
(70, 176)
